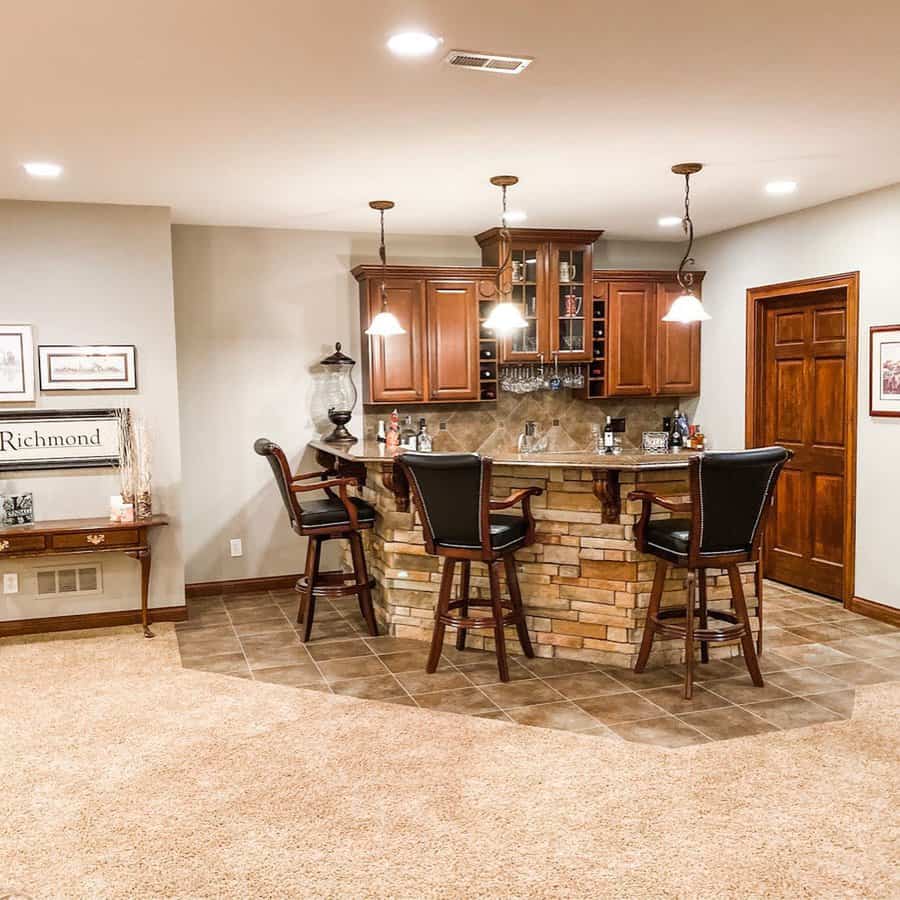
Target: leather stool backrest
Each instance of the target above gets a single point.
(282, 471)
(450, 489)
(730, 492)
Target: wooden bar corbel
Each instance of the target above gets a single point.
(342, 467)
(606, 490)
(394, 480)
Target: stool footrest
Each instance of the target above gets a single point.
(734, 630)
(334, 584)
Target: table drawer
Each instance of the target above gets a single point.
(20, 543)
(96, 540)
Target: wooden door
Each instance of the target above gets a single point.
(631, 331)
(802, 407)
(452, 326)
(397, 364)
(527, 278)
(677, 348)
(569, 290)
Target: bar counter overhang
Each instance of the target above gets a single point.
(584, 585)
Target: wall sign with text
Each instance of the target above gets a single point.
(58, 439)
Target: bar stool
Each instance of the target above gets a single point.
(337, 516)
(731, 496)
(452, 496)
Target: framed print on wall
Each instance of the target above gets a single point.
(91, 367)
(16, 364)
(884, 373)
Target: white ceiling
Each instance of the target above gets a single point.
(291, 113)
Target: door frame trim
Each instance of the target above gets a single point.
(757, 300)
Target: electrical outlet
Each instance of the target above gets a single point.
(237, 548)
(10, 583)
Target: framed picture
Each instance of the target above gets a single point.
(92, 367)
(884, 374)
(32, 439)
(16, 364)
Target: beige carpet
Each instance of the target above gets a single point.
(124, 775)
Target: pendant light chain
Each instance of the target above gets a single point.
(686, 279)
(382, 254)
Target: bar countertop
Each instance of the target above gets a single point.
(627, 461)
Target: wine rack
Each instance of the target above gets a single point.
(488, 351)
(596, 368)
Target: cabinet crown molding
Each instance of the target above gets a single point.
(561, 235)
(428, 273)
(666, 275)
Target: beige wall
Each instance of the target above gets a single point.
(97, 275)
(859, 233)
(256, 309)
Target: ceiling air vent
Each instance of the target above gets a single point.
(488, 62)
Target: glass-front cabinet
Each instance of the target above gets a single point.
(550, 279)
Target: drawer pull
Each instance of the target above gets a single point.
(4, 545)
(96, 539)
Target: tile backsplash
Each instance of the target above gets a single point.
(495, 427)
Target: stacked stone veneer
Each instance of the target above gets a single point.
(584, 586)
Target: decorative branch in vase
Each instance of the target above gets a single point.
(135, 470)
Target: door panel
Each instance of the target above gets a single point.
(677, 348)
(452, 317)
(631, 338)
(397, 367)
(802, 408)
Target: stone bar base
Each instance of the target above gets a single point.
(585, 588)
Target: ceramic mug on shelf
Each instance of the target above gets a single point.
(566, 271)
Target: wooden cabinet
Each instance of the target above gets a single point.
(636, 354)
(630, 342)
(677, 348)
(437, 359)
(452, 329)
(396, 364)
(550, 279)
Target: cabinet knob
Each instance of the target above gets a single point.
(96, 539)
(4, 545)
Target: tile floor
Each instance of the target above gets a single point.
(816, 655)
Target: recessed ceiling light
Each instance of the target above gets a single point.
(669, 221)
(413, 43)
(43, 169)
(781, 187)
(513, 216)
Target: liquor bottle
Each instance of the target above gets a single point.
(393, 436)
(676, 438)
(381, 437)
(609, 437)
(408, 434)
(487, 353)
(699, 438)
(423, 438)
(487, 374)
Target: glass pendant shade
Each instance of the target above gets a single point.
(505, 318)
(385, 324)
(686, 308)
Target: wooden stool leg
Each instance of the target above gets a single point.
(759, 602)
(464, 597)
(740, 607)
(704, 617)
(499, 636)
(689, 639)
(314, 559)
(443, 607)
(515, 596)
(361, 573)
(659, 581)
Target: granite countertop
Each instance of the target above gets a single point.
(629, 460)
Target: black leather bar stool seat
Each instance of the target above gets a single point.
(337, 516)
(731, 495)
(452, 496)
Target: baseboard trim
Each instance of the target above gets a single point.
(50, 624)
(240, 585)
(888, 614)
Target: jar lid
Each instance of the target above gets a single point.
(337, 358)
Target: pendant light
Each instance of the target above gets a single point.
(687, 307)
(385, 323)
(506, 316)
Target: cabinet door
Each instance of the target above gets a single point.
(452, 325)
(397, 363)
(630, 341)
(570, 275)
(528, 284)
(677, 348)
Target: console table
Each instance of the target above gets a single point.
(64, 537)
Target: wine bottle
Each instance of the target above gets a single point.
(609, 437)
